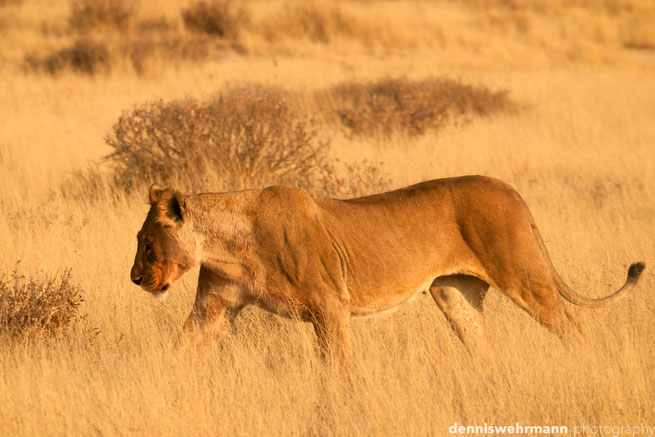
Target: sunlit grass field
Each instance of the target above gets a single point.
(578, 142)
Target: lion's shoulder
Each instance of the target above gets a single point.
(285, 209)
(282, 193)
(285, 203)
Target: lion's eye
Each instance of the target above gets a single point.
(148, 248)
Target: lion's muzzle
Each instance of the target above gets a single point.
(135, 275)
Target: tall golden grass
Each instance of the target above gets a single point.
(580, 149)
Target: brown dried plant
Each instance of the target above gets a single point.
(245, 138)
(413, 107)
(37, 307)
(221, 18)
(88, 15)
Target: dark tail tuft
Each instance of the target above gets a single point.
(635, 271)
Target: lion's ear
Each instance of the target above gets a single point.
(176, 208)
(155, 193)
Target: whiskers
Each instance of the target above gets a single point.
(156, 289)
(148, 286)
(151, 285)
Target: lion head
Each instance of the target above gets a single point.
(166, 248)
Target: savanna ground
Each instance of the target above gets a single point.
(345, 98)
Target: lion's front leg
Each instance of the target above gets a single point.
(205, 320)
(332, 333)
(332, 326)
(214, 297)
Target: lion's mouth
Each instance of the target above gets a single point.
(159, 293)
(157, 289)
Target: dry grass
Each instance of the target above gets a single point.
(314, 21)
(583, 24)
(555, 31)
(582, 156)
(89, 15)
(151, 47)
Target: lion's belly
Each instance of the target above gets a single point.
(375, 304)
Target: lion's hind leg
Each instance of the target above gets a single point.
(460, 299)
(541, 300)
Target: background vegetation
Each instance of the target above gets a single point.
(101, 98)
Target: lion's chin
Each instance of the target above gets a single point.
(160, 295)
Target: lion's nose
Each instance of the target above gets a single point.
(135, 276)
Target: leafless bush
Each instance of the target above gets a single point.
(84, 56)
(412, 107)
(37, 307)
(222, 18)
(248, 137)
(88, 15)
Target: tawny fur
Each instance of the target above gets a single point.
(323, 260)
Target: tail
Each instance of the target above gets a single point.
(634, 272)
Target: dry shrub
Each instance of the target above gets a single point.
(89, 15)
(84, 56)
(413, 107)
(222, 18)
(245, 138)
(37, 307)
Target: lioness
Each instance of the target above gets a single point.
(323, 260)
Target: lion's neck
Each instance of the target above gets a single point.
(222, 226)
